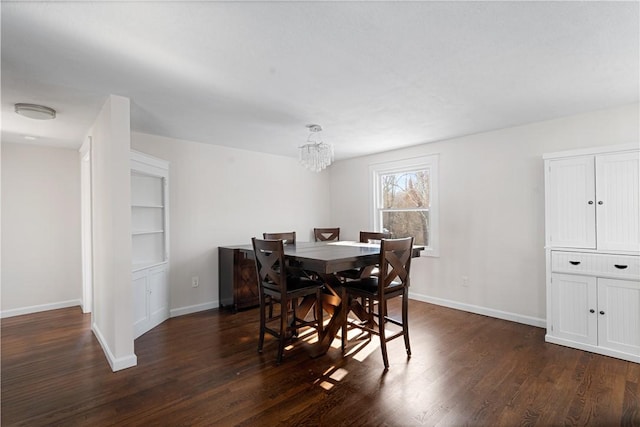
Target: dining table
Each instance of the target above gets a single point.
(326, 259)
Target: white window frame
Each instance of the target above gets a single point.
(429, 162)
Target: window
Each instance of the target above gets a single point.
(405, 200)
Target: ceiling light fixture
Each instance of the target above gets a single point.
(315, 154)
(34, 111)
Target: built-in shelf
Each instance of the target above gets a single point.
(142, 266)
(148, 215)
(138, 233)
(149, 241)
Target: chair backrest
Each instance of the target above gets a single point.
(373, 236)
(395, 261)
(326, 234)
(288, 238)
(270, 265)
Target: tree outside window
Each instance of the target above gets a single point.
(405, 205)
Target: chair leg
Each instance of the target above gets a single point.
(294, 324)
(405, 322)
(371, 311)
(284, 327)
(345, 319)
(319, 314)
(383, 338)
(263, 309)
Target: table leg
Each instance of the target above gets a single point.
(334, 303)
(305, 306)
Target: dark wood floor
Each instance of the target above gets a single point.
(203, 369)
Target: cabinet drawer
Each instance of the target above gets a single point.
(621, 266)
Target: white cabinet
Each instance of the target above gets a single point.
(596, 312)
(619, 315)
(618, 201)
(592, 202)
(151, 299)
(570, 202)
(574, 304)
(149, 241)
(592, 248)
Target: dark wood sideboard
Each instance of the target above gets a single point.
(237, 279)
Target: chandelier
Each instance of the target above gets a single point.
(315, 154)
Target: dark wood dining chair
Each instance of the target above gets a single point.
(276, 286)
(365, 237)
(391, 281)
(288, 238)
(326, 234)
(373, 236)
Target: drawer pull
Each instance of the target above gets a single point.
(620, 266)
(574, 262)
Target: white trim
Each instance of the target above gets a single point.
(498, 314)
(175, 312)
(86, 217)
(430, 162)
(147, 164)
(116, 364)
(38, 308)
(592, 348)
(634, 146)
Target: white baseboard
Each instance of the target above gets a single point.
(38, 308)
(504, 315)
(116, 364)
(592, 348)
(175, 312)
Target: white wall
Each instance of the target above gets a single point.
(491, 210)
(41, 267)
(221, 196)
(111, 197)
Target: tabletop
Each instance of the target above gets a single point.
(331, 257)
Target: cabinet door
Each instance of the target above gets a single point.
(619, 315)
(140, 303)
(150, 299)
(571, 202)
(245, 284)
(158, 295)
(617, 198)
(574, 304)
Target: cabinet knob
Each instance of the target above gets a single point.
(600, 202)
(590, 202)
(592, 311)
(601, 312)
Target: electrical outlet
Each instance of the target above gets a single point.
(195, 281)
(465, 281)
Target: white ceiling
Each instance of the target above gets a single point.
(375, 75)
